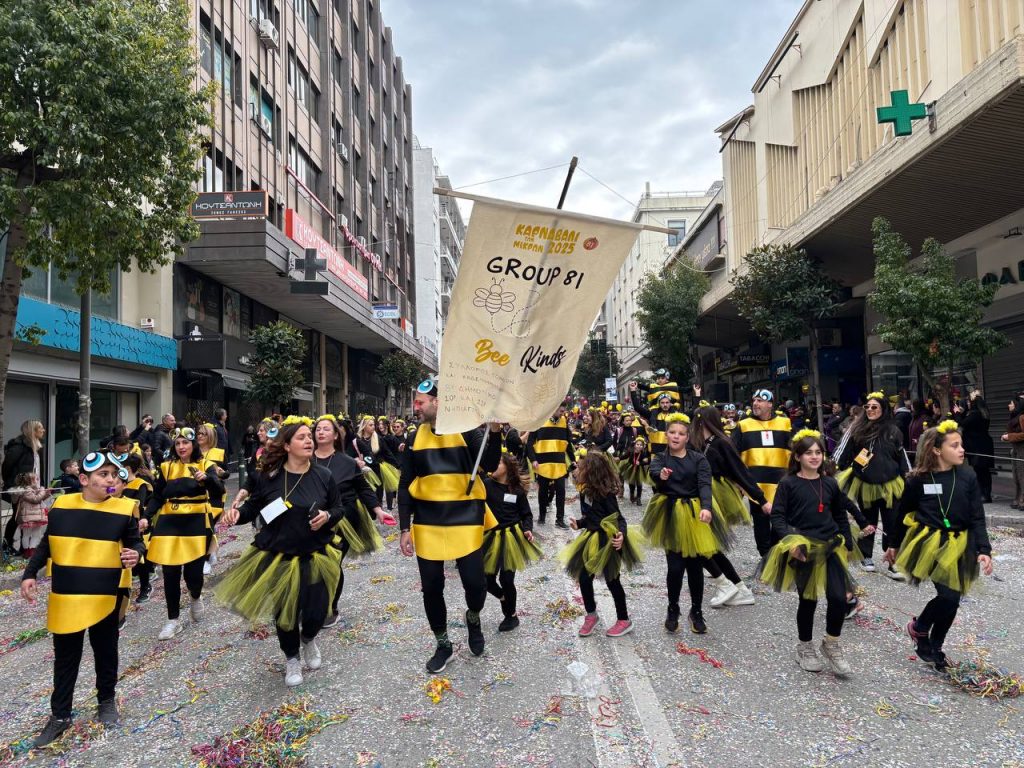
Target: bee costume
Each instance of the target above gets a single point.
(83, 542)
(940, 532)
(179, 516)
(446, 518)
(551, 446)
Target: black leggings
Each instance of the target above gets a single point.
(474, 583)
(694, 569)
(67, 658)
(874, 512)
(310, 616)
(718, 564)
(545, 490)
(614, 586)
(764, 536)
(937, 617)
(835, 595)
(503, 586)
(172, 584)
(636, 491)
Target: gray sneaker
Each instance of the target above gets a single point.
(292, 672)
(197, 609)
(835, 657)
(808, 658)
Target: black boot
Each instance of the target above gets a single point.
(52, 731)
(697, 625)
(672, 618)
(560, 523)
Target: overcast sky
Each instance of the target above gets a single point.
(635, 88)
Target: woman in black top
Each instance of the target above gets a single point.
(940, 535)
(290, 571)
(679, 520)
(356, 531)
(978, 444)
(509, 547)
(810, 520)
(630, 430)
(871, 469)
(371, 450)
(729, 476)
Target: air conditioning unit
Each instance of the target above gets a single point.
(268, 34)
(266, 126)
(342, 220)
(342, 150)
(254, 111)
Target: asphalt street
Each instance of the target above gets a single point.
(733, 697)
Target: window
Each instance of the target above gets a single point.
(46, 285)
(337, 133)
(205, 44)
(680, 227)
(303, 166)
(298, 82)
(219, 60)
(307, 13)
(338, 68)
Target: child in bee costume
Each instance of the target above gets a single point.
(634, 469)
(92, 543)
(810, 520)
(940, 535)
(550, 449)
(509, 547)
(178, 512)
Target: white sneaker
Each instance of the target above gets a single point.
(868, 565)
(293, 673)
(197, 609)
(213, 558)
(895, 575)
(207, 568)
(311, 654)
(170, 629)
(835, 657)
(808, 658)
(725, 591)
(743, 596)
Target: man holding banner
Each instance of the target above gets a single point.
(442, 516)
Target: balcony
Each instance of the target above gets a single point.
(449, 267)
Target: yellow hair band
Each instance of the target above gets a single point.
(329, 417)
(305, 420)
(806, 433)
(880, 396)
(672, 418)
(947, 426)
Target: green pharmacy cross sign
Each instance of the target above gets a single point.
(902, 113)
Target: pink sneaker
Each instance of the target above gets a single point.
(620, 628)
(588, 625)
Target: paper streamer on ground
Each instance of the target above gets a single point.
(530, 283)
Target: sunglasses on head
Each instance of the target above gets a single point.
(97, 459)
(185, 432)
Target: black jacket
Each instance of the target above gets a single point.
(977, 439)
(160, 439)
(887, 458)
(18, 459)
(795, 509)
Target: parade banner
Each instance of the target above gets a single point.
(530, 283)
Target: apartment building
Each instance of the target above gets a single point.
(313, 109)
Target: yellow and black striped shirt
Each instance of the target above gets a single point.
(549, 446)
(764, 448)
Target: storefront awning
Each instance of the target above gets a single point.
(234, 379)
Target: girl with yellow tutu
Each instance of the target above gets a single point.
(371, 451)
(356, 532)
(635, 468)
(730, 478)
(508, 547)
(679, 519)
(290, 571)
(605, 547)
(940, 535)
(809, 518)
(871, 465)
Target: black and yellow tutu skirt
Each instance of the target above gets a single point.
(507, 549)
(361, 534)
(866, 494)
(809, 578)
(592, 551)
(941, 556)
(389, 476)
(266, 585)
(674, 524)
(634, 474)
(372, 478)
(729, 503)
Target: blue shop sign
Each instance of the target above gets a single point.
(110, 340)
